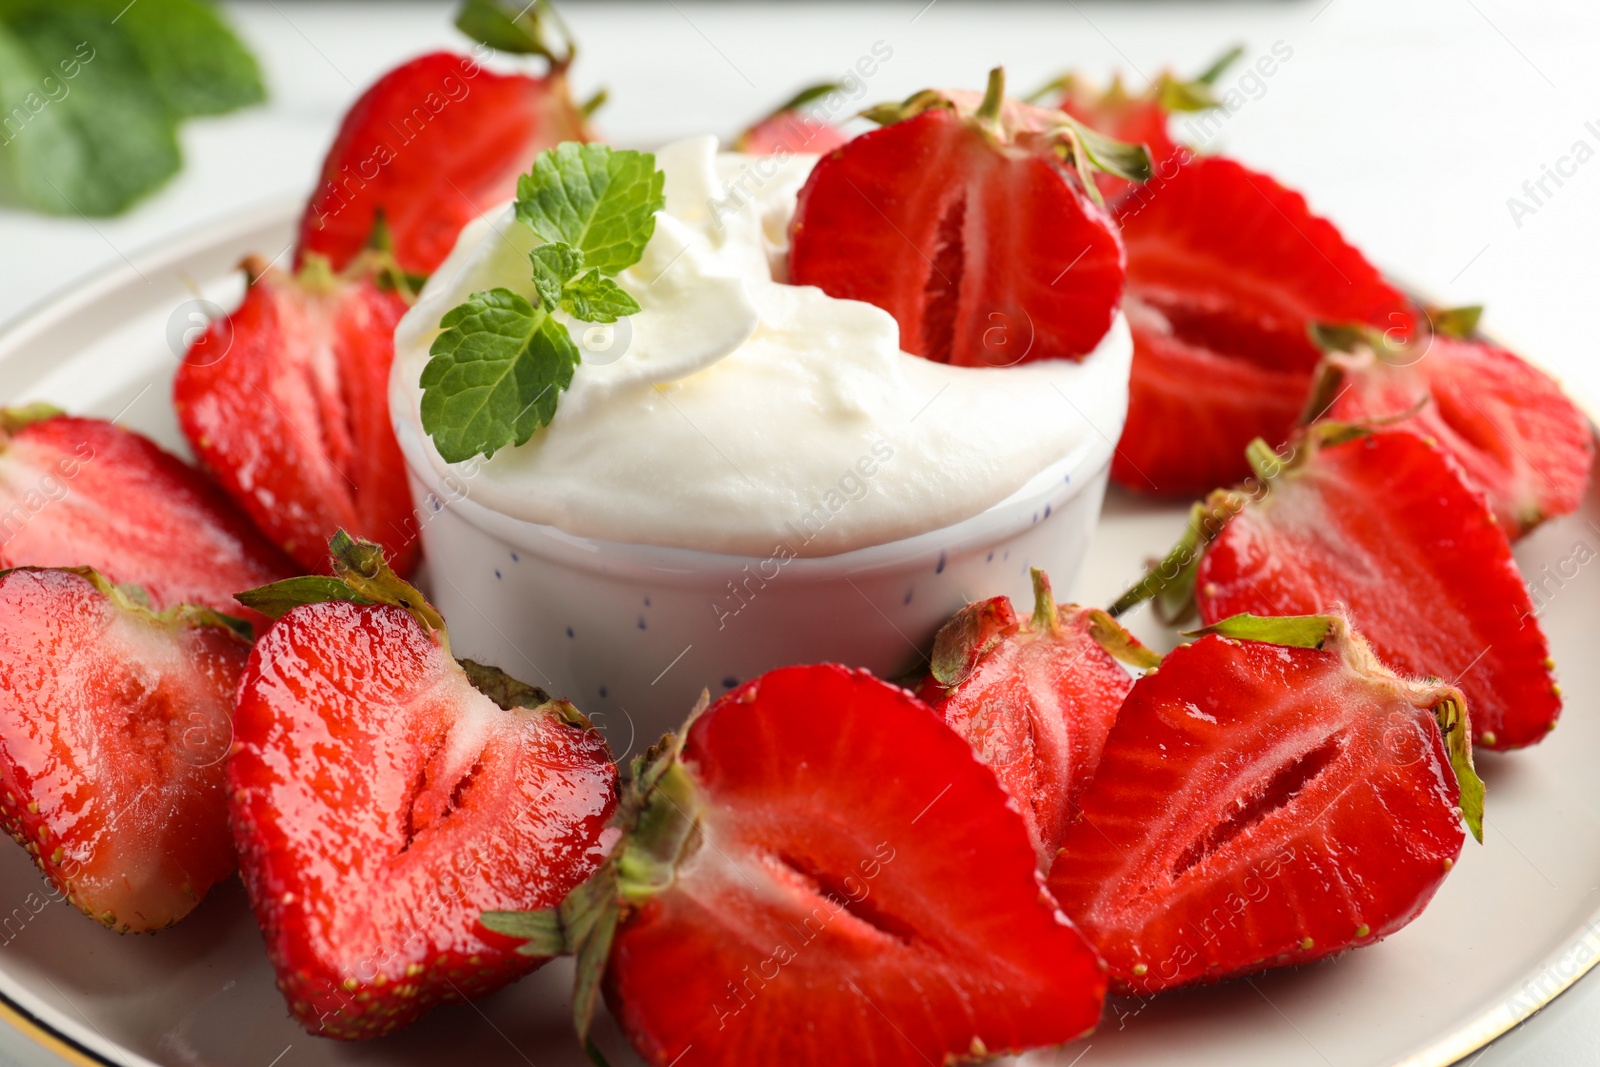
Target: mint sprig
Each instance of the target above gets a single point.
(496, 372)
(92, 93)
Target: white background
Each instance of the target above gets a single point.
(1409, 122)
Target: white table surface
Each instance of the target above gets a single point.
(1410, 122)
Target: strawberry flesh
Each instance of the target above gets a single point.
(433, 144)
(856, 880)
(1227, 270)
(986, 253)
(1516, 435)
(114, 724)
(87, 493)
(1385, 527)
(1036, 702)
(381, 802)
(1258, 806)
(293, 416)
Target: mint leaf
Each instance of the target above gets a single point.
(195, 63)
(90, 142)
(600, 200)
(494, 375)
(516, 27)
(594, 298)
(92, 92)
(553, 266)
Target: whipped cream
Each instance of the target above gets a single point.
(735, 412)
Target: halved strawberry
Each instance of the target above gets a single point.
(820, 871)
(960, 218)
(383, 794)
(1270, 795)
(87, 493)
(286, 402)
(433, 144)
(114, 723)
(788, 128)
(1517, 436)
(1035, 699)
(1382, 525)
(1227, 270)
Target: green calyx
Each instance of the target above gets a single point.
(1007, 122)
(518, 28)
(1119, 643)
(1169, 582)
(659, 817)
(133, 598)
(1046, 618)
(1290, 631)
(1460, 323)
(15, 420)
(1451, 714)
(969, 635)
(1106, 631)
(360, 576)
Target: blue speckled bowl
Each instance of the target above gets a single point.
(632, 633)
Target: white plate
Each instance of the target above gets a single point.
(1513, 926)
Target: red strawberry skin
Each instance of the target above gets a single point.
(1227, 269)
(293, 417)
(433, 144)
(1258, 806)
(862, 883)
(956, 235)
(788, 132)
(113, 729)
(381, 803)
(1036, 704)
(1516, 435)
(1385, 526)
(84, 492)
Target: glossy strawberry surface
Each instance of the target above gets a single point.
(1385, 527)
(286, 402)
(432, 144)
(858, 888)
(381, 802)
(1227, 270)
(87, 493)
(1258, 806)
(1515, 433)
(986, 251)
(1036, 700)
(114, 723)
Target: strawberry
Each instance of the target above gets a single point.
(292, 417)
(1139, 118)
(961, 220)
(1227, 270)
(435, 143)
(1270, 795)
(382, 794)
(1516, 435)
(114, 722)
(1036, 699)
(820, 871)
(788, 129)
(1383, 525)
(85, 492)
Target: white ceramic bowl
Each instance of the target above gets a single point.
(632, 633)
